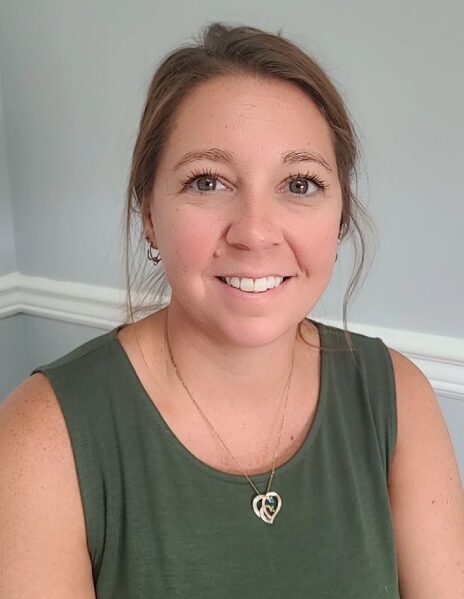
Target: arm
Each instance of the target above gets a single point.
(426, 496)
(43, 550)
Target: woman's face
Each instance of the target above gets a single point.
(247, 189)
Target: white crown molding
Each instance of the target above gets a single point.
(440, 358)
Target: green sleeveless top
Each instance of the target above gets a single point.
(162, 524)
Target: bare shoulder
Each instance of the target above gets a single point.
(43, 549)
(425, 490)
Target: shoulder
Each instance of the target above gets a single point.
(421, 424)
(34, 439)
(425, 490)
(410, 380)
(35, 445)
(32, 409)
(423, 441)
(39, 497)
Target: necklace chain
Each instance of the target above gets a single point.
(213, 430)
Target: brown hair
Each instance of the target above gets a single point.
(222, 50)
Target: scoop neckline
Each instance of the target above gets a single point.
(203, 466)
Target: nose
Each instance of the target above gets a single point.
(254, 227)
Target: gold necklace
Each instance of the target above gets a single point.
(265, 505)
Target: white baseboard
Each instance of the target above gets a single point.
(440, 358)
(78, 303)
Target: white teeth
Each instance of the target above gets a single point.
(260, 284)
(254, 285)
(246, 284)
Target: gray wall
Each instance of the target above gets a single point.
(48, 339)
(7, 239)
(27, 342)
(13, 354)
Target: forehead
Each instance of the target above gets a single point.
(252, 117)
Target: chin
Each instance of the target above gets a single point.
(247, 332)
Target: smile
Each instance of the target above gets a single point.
(254, 285)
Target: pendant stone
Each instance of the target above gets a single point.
(267, 506)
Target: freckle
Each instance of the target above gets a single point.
(433, 501)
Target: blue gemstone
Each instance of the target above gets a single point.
(271, 502)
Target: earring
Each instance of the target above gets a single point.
(339, 241)
(150, 255)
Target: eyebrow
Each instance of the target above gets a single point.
(222, 155)
(213, 154)
(296, 156)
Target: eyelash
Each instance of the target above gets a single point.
(197, 174)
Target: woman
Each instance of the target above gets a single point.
(226, 445)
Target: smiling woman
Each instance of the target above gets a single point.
(227, 445)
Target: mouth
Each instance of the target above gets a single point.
(254, 286)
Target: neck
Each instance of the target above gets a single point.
(216, 371)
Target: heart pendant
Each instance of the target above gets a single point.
(267, 506)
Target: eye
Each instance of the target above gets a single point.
(203, 182)
(207, 183)
(306, 185)
(302, 186)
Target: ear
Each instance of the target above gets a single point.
(148, 229)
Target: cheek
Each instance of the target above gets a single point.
(317, 248)
(187, 240)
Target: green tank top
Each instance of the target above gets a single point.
(162, 524)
